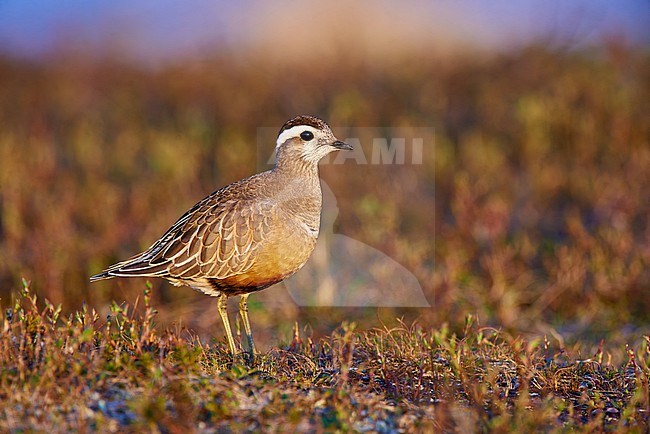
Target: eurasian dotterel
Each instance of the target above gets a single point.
(250, 234)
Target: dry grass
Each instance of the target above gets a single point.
(107, 374)
(531, 215)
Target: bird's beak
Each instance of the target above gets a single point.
(342, 145)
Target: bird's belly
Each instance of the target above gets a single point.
(274, 260)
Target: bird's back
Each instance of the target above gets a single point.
(242, 238)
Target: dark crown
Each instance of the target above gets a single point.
(304, 120)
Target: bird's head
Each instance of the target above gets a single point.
(308, 138)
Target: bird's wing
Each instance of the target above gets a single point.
(215, 239)
(222, 242)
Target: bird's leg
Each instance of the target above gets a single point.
(243, 312)
(222, 305)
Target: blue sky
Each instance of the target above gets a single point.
(164, 29)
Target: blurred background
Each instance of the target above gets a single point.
(529, 210)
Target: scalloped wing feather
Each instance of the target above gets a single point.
(216, 239)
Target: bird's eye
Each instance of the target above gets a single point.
(306, 135)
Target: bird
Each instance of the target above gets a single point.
(250, 234)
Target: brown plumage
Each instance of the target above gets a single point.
(250, 234)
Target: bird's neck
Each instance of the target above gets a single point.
(294, 166)
(298, 189)
(299, 180)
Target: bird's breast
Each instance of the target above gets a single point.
(279, 256)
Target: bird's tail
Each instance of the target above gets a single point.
(100, 276)
(134, 267)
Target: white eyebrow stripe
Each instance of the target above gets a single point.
(293, 132)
